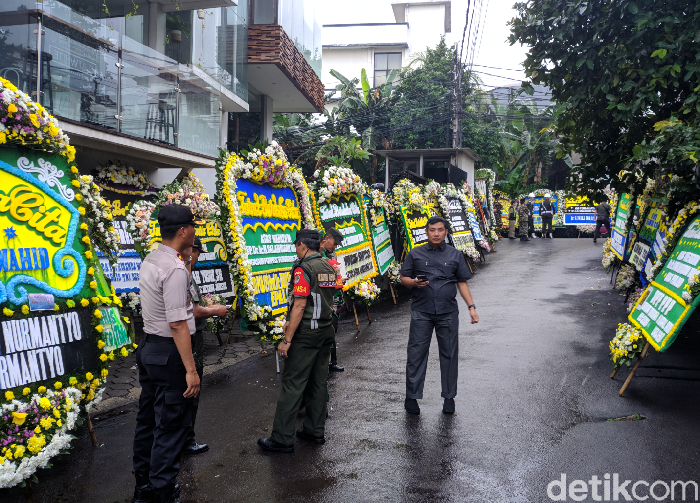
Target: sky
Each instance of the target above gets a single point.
(492, 51)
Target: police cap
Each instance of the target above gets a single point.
(307, 234)
(198, 245)
(336, 235)
(175, 214)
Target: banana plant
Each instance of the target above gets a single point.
(366, 107)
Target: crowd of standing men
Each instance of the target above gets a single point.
(523, 215)
(170, 359)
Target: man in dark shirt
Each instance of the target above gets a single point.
(431, 271)
(602, 217)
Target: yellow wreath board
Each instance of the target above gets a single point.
(60, 323)
(347, 214)
(414, 222)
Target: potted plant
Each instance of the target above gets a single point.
(176, 27)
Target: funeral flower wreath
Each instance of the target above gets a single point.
(36, 420)
(266, 164)
(335, 180)
(366, 292)
(188, 191)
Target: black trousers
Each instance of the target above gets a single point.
(446, 327)
(198, 353)
(598, 225)
(547, 226)
(164, 416)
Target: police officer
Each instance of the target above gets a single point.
(329, 242)
(547, 215)
(167, 372)
(308, 335)
(201, 313)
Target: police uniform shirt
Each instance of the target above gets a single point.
(166, 292)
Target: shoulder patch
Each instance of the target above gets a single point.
(301, 286)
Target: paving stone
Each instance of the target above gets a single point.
(116, 392)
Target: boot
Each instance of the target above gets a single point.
(167, 495)
(144, 491)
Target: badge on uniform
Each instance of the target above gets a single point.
(326, 280)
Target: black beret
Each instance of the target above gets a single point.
(307, 234)
(175, 214)
(336, 235)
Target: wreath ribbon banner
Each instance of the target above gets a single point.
(347, 213)
(665, 306)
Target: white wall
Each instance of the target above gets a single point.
(426, 24)
(365, 35)
(349, 62)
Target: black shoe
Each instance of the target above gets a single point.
(192, 447)
(510, 238)
(168, 495)
(411, 406)
(334, 367)
(144, 491)
(270, 445)
(448, 406)
(302, 433)
(526, 239)
(595, 240)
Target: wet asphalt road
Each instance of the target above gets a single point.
(533, 398)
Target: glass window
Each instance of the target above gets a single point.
(384, 62)
(264, 11)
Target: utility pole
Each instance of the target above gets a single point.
(457, 103)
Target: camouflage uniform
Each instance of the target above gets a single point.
(524, 216)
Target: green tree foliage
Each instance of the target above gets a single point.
(423, 113)
(364, 110)
(616, 68)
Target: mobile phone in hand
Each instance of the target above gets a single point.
(421, 277)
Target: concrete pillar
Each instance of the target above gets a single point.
(386, 175)
(265, 117)
(156, 27)
(223, 130)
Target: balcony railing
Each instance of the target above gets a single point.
(87, 70)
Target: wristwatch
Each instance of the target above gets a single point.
(471, 305)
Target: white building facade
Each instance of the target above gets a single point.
(382, 47)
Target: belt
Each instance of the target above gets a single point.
(158, 339)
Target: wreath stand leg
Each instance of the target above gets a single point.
(368, 317)
(93, 437)
(346, 298)
(218, 336)
(357, 323)
(393, 295)
(29, 492)
(634, 369)
(470, 264)
(228, 338)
